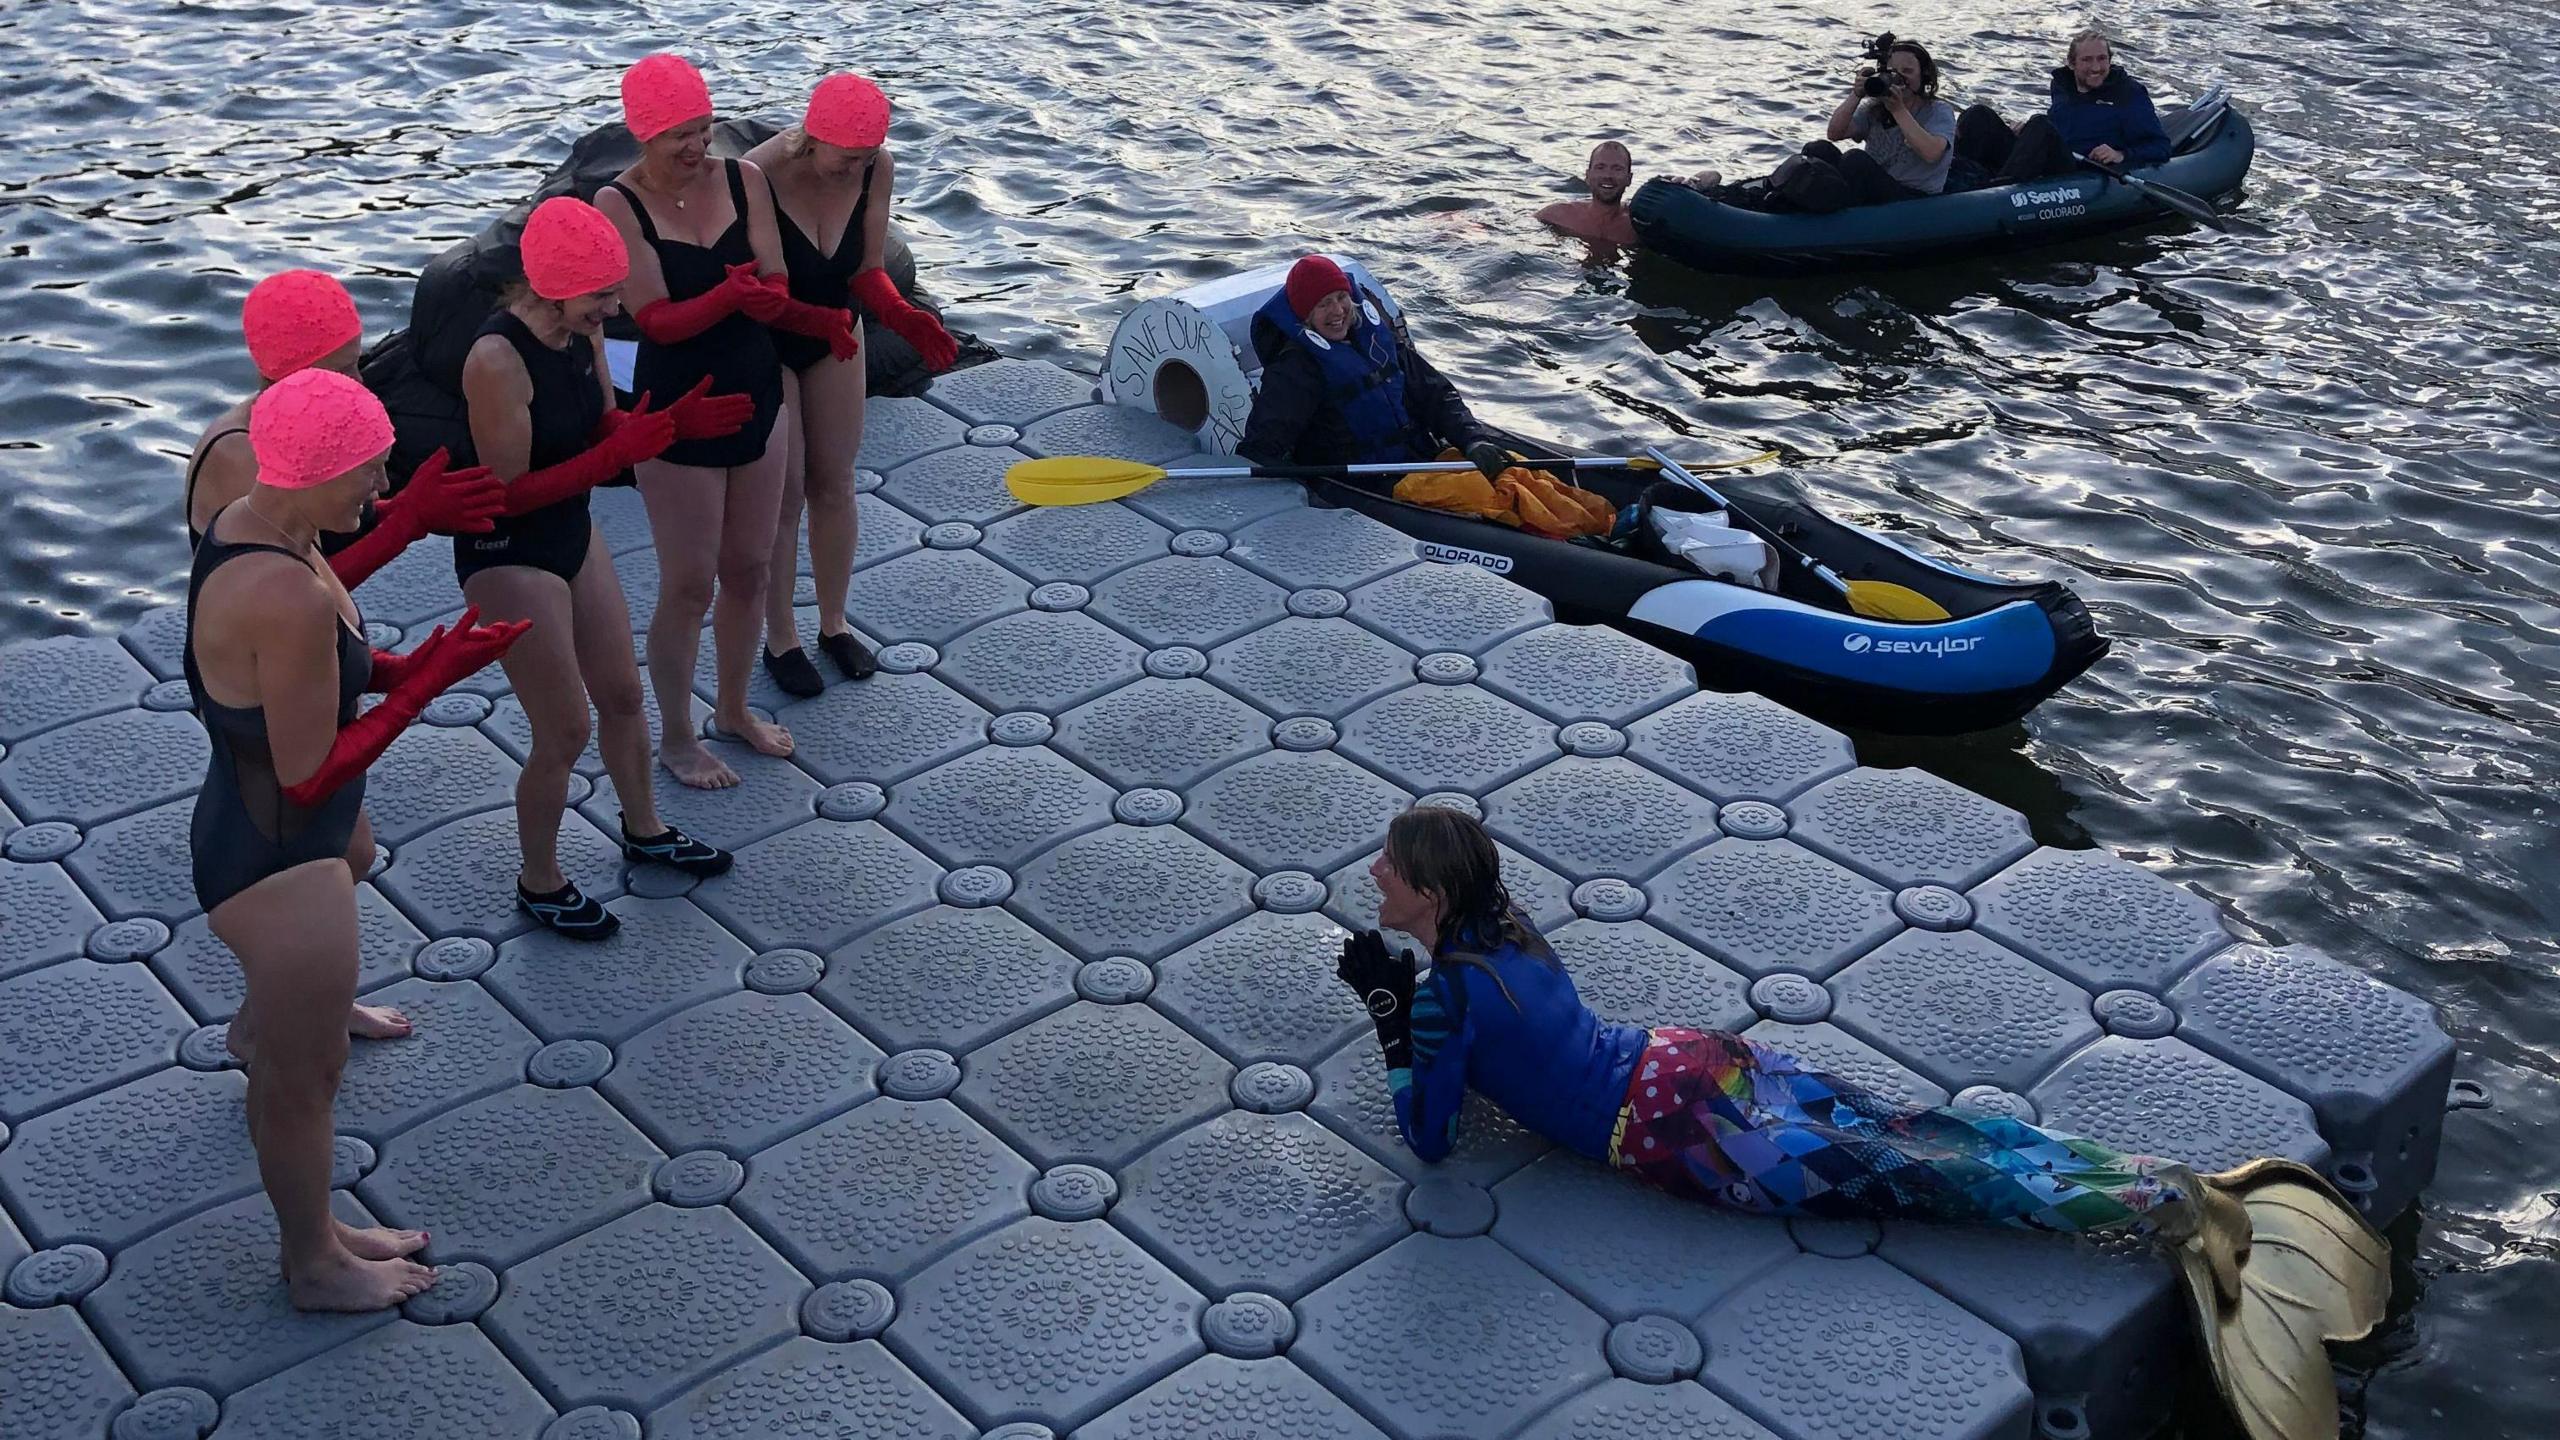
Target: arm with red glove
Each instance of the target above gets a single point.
(701, 415)
(626, 438)
(881, 300)
(819, 322)
(447, 657)
(672, 322)
(435, 501)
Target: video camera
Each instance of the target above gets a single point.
(1879, 52)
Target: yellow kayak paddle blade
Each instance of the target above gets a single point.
(1077, 479)
(1884, 600)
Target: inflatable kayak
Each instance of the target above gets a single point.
(2213, 147)
(418, 370)
(2004, 646)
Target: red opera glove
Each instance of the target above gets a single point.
(640, 434)
(447, 656)
(453, 502)
(879, 295)
(701, 415)
(820, 322)
(672, 322)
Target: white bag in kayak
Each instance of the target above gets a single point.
(1713, 547)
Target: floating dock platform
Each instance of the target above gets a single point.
(1005, 1087)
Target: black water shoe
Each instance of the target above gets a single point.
(851, 656)
(675, 849)
(568, 910)
(792, 672)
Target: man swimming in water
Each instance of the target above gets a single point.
(1602, 218)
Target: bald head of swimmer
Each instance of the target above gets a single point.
(1609, 171)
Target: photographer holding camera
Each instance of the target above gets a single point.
(1909, 137)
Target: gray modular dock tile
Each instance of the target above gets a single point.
(963, 483)
(1200, 601)
(1739, 747)
(431, 774)
(61, 1384)
(622, 515)
(1311, 667)
(1093, 1084)
(2105, 923)
(106, 1170)
(94, 770)
(1078, 543)
(415, 588)
(770, 795)
(635, 1313)
(205, 976)
(419, 1382)
(806, 1387)
(159, 641)
(142, 865)
(1293, 810)
(1352, 1100)
(43, 917)
(57, 681)
(1543, 895)
(203, 1303)
(1046, 1321)
(511, 1175)
(1220, 1396)
(460, 877)
(1828, 1047)
(80, 1027)
(1269, 1203)
(13, 1246)
(947, 979)
(1448, 737)
(819, 884)
(740, 1072)
(882, 531)
(1043, 660)
(1306, 547)
(1601, 817)
(1107, 430)
(937, 595)
(638, 572)
(1632, 974)
(1225, 506)
(883, 730)
(1820, 1348)
(998, 806)
(666, 956)
(1447, 607)
(1131, 890)
(897, 429)
(1908, 827)
(1766, 905)
(1010, 392)
(884, 1189)
(1441, 1337)
(1263, 988)
(1611, 1241)
(1165, 733)
(1572, 673)
(1962, 1009)
(463, 1045)
(2167, 1098)
(1626, 1410)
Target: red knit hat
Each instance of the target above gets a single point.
(293, 320)
(1312, 279)
(661, 92)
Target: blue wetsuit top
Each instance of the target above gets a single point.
(1550, 1063)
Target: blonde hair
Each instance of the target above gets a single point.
(2084, 37)
(797, 143)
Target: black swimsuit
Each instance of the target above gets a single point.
(823, 280)
(331, 541)
(568, 403)
(737, 353)
(245, 829)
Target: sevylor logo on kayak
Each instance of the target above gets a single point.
(1938, 648)
(2024, 199)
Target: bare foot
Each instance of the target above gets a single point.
(348, 1282)
(376, 1022)
(378, 1242)
(693, 765)
(762, 735)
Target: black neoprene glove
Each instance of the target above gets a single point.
(1490, 458)
(1384, 982)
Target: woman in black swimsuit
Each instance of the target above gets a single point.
(831, 178)
(276, 663)
(700, 234)
(542, 418)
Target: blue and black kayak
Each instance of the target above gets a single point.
(2006, 645)
(2213, 148)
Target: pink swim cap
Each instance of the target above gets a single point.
(660, 93)
(314, 426)
(295, 319)
(847, 111)
(570, 249)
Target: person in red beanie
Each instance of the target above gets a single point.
(831, 177)
(1341, 387)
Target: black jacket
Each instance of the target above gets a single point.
(1294, 421)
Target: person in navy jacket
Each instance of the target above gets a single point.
(2098, 109)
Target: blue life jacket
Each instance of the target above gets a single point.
(1364, 381)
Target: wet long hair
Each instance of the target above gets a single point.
(1447, 855)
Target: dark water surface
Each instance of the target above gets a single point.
(2305, 478)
